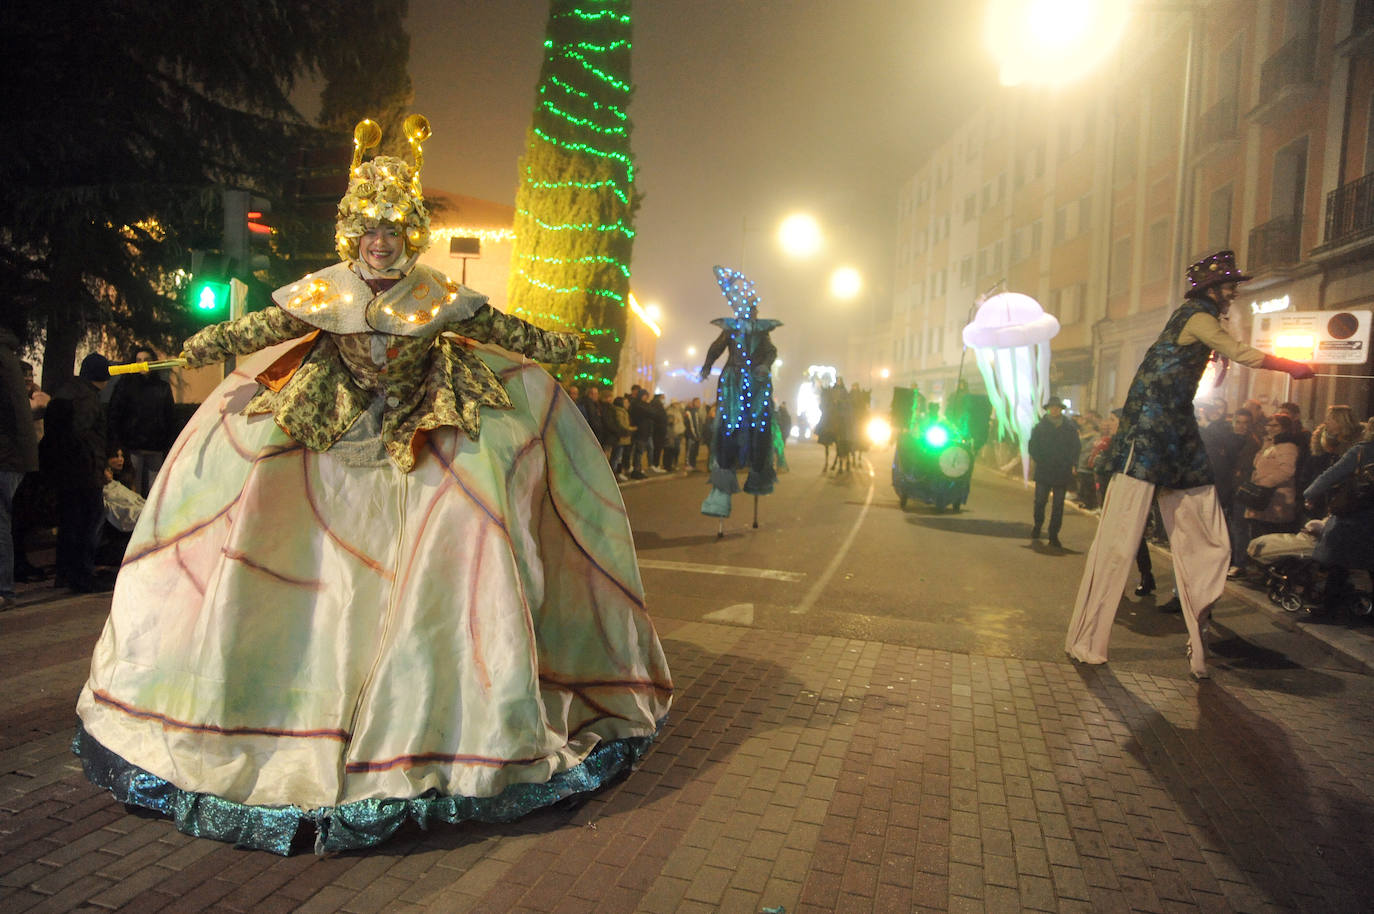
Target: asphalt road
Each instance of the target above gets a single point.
(837, 555)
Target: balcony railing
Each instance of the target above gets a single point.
(1217, 124)
(1276, 243)
(1349, 211)
(1291, 65)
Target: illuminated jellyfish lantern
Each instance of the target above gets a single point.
(1010, 337)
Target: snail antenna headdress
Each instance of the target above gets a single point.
(384, 189)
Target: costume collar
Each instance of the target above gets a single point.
(337, 300)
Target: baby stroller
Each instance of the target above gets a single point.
(1295, 581)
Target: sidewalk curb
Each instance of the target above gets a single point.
(1351, 644)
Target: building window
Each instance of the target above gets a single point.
(1290, 179)
(1036, 231)
(1157, 251)
(1085, 214)
(966, 271)
(970, 207)
(1061, 224)
(1120, 266)
(1219, 219)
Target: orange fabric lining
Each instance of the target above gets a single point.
(275, 376)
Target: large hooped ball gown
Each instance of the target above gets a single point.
(305, 637)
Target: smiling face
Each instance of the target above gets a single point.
(381, 245)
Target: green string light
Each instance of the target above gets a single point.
(573, 271)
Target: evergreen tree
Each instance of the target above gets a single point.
(126, 118)
(574, 211)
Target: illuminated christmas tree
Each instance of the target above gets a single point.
(574, 212)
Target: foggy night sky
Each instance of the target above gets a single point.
(742, 113)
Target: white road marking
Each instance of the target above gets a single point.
(698, 568)
(740, 614)
(817, 588)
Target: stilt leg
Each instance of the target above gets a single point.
(756, 512)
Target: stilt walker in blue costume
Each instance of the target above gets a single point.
(744, 399)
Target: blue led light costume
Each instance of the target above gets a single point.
(743, 437)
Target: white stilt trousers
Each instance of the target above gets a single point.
(1201, 552)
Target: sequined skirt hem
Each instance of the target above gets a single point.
(352, 826)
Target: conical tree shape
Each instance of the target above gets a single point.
(574, 219)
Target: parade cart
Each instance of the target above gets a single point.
(932, 460)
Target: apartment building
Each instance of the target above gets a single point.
(1246, 124)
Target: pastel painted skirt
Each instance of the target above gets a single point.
(299, 641)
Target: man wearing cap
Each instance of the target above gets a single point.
(72, 456)
(1054, 448)
(1159, 452)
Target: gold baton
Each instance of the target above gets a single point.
(145, 367)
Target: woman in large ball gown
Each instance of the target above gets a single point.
(385, 573)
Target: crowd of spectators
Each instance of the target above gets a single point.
(1266, 467)
(75, 466)
(642, 433)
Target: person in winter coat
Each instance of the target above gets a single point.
(72, 456)
(658, 433)
(143, 422)
(18, 452)
(1054, 448)
(672, 444)
(1347, 539)
(642, 441)
(1276, 467)
(620, 430)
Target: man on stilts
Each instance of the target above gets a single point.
(1158, 452)
(744, 399)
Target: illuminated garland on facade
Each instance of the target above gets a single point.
(574, 210)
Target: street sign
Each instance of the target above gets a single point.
(1316, 337)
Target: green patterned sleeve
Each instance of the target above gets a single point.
(248, 334)
(491, 326)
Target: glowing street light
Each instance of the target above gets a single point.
(846, 283)
(691, 351)
(1052, 42)
(800, 235)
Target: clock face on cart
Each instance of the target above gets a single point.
(955, 462)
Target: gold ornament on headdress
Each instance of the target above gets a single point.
(365, 136)
(384, 189)
(417, 130)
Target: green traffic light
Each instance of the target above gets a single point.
(210, 297)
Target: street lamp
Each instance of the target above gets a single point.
(1052, 42)
(846, 283)
(800, 235)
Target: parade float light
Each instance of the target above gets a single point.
(937, 436)
(879, 431)
(1010, 337)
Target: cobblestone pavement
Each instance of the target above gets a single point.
(801, 772)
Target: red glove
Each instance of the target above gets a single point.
(1298, 370)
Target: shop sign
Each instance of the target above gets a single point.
(1319, 337)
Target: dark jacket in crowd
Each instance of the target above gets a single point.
(1054, 448)
(1224, 449)
(591, 411)
(18, 439)
(75, 457)
(143, 413)
(658, 415)
(642, 418)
